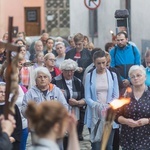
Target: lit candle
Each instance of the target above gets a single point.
(111, 111)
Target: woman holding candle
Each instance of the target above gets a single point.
(101, 87)
(135, 117)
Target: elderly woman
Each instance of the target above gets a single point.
(73, 91)
(135, 117)
(101, 87)
(43, 90)
(50, 64)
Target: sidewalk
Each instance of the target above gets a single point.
(85, 144)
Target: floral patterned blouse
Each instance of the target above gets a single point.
(137, 138)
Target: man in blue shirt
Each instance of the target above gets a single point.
(123, 56)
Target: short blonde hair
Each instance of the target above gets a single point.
(68, 64)
(48, 55)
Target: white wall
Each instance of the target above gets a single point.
(140, 21)
(106, 21)
(78, 17)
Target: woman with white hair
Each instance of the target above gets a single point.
(135, 116)
(43, 90)
(73, 90)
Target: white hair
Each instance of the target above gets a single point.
(70, 37)
(42, 70)
(59, 43)
(36, 42)
(2, 84)
(136, 67)
(48, 55)
(68, 64)
(58, 39)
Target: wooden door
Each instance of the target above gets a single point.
(32, 21)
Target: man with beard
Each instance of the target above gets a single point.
(123, 56)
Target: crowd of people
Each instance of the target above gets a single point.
(64, 85)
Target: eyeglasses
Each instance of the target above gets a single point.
(68, 71)
(2, 92)
(52, 59)
(136, 76)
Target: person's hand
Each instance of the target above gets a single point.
(73, 102)
(131, 123)
(126, 83)
(80, 69)
(142, 121)
(8, 125)
(12, 140)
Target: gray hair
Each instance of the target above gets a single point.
(59, 43)
(2, 84)
(70, 37)
(48, 55)
(68, 64)
(137, 67)
(42, 70)
(36, 42)
(58, 39)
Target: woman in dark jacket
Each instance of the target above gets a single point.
(16, 135)
(72, 88)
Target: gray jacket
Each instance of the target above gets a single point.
(36, 95)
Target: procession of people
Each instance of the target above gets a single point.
(63, 88)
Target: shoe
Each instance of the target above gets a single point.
(80, 137)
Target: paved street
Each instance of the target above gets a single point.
(85, 144)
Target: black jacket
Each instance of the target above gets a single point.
(84, 61)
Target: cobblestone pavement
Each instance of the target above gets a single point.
(85, 144)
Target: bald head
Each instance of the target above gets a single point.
(44, 38)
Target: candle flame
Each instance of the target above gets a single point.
(117, 103)
(129, 90)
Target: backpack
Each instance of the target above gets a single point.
(115, 51)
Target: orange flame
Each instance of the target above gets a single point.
(117, 103)
(129, 90)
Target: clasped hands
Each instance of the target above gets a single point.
(141, 122)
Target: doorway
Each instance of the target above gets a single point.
(32, 21)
